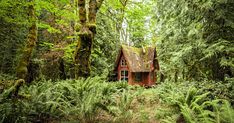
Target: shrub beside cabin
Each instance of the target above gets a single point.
(137, 65)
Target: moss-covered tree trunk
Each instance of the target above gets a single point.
(86, 34)
(22, 70)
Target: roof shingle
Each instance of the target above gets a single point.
(138, 59)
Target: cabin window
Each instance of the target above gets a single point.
(123, 62)
(138, 77)
(124, 75)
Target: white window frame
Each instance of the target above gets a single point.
(123, 62)
(124, 77)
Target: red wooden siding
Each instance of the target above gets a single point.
(120, 68)
(147, 80)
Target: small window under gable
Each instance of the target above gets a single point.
(123, 62)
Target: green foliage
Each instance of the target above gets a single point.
(121, 109)
(46, 45)
(194, 40)
(105, 47)
(6, 81)
(49, 28)
(194, 105)
(195, 36)
(221, 89)
(69, 52)
(12, 37)
(53, 18)
(46, 100)
(94, 99)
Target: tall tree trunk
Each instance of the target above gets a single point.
(86, 35)
(22, 70)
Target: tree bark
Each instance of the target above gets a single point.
(86, 35)
(22, 70)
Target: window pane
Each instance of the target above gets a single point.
(122, 73)
(123, 62)
(124, 79)
(126, 73)
(138, 77)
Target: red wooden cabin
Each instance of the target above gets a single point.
(137, 65)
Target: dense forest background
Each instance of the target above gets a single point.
(46, 42)
(194, 39)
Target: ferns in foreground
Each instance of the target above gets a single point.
(48, 100)
(90, 99)
(195, 105)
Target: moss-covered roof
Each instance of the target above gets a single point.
(138, 59)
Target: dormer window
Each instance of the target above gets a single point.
(123, 62)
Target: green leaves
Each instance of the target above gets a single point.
(195, 31)
(49, 28)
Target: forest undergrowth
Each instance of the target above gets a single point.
(96, 100)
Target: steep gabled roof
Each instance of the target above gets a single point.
(138, 59)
